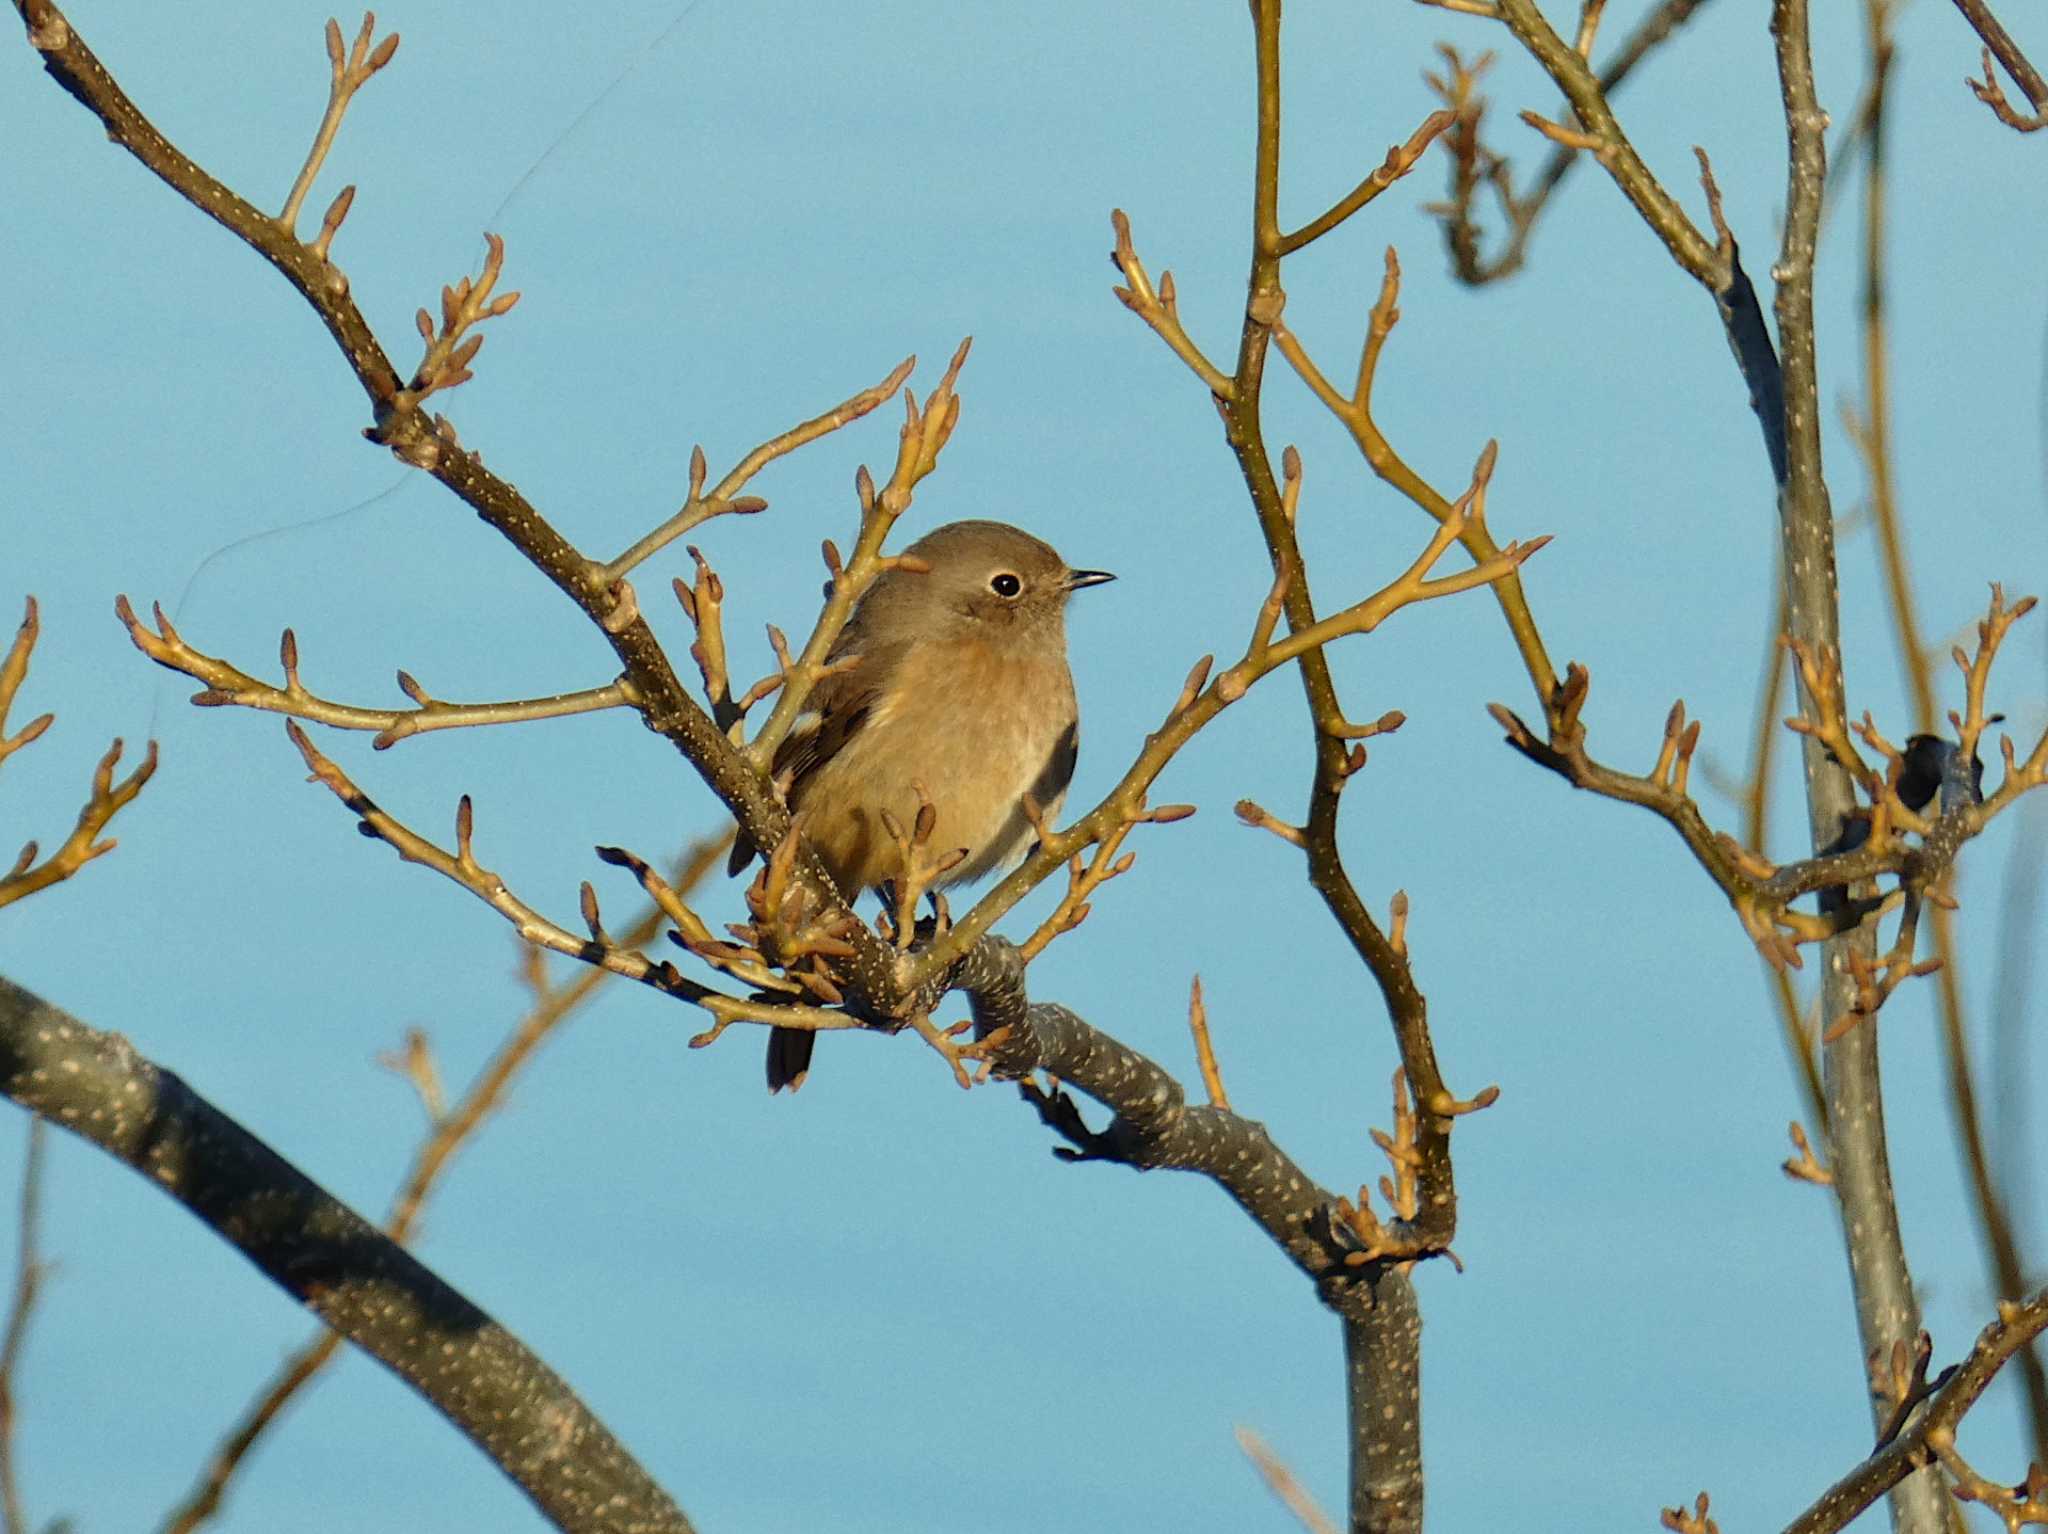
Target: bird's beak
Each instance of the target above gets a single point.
(1076, 579)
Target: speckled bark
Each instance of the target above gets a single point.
(335, 1263)
(1383, 1382)
(1886, 1307)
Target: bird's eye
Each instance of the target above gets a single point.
(1004, 584)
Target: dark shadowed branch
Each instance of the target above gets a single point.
(451, 1126)
(333, 1262)
(1918, 1423)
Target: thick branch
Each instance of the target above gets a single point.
(1886, 1307)
(333, 1262)
(450, 1126)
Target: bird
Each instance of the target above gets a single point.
(957, 685)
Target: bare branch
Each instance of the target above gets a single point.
(29, 1272)
(1401, 159)
(337, 1265)
(1159, 308)
(228, 685)
(724, 498)
(348, 74)
(449, 1129)
(1998, 43)
(1932, 1431)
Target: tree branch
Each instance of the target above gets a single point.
(29, 1272)
(451, 1126)
(1914, 1448)
(333, 1262)
(227, 684)
(1998, 43)
(1886, 1307)
(1473, 164)
(106, 799)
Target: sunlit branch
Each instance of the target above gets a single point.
(106, 799)
(700, 505)
(348, 74)
(462, 867)
(927, 427)
(1355, 412)
(1160, 308)
(1401, 159)
(228, 685)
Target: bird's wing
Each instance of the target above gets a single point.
(1051, 785)
(834, 713)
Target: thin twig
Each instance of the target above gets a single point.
(1281, 1481)
(724, 498)
(29, 1272)
(1998, 43)
(1205, 1053)
(228, 685)
(347, 74)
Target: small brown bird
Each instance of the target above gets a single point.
(960, 686)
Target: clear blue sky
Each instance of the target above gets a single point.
(820, 1313)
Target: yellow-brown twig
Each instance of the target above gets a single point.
(348, 73)
(927, 427)
(106, 799)
(724, 498)
(451, 347)
(1160, 308)
(229, 686)
(1354, 412)
(1282, 1483)
(1679, 1521)
(1205, 1053)
(1805, 1167)
(29, 1272)
(1400, 159)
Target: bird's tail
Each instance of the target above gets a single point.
(789, 1057)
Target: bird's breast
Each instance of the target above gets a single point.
(972, 724)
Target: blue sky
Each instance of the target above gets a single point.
(884, 1305)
